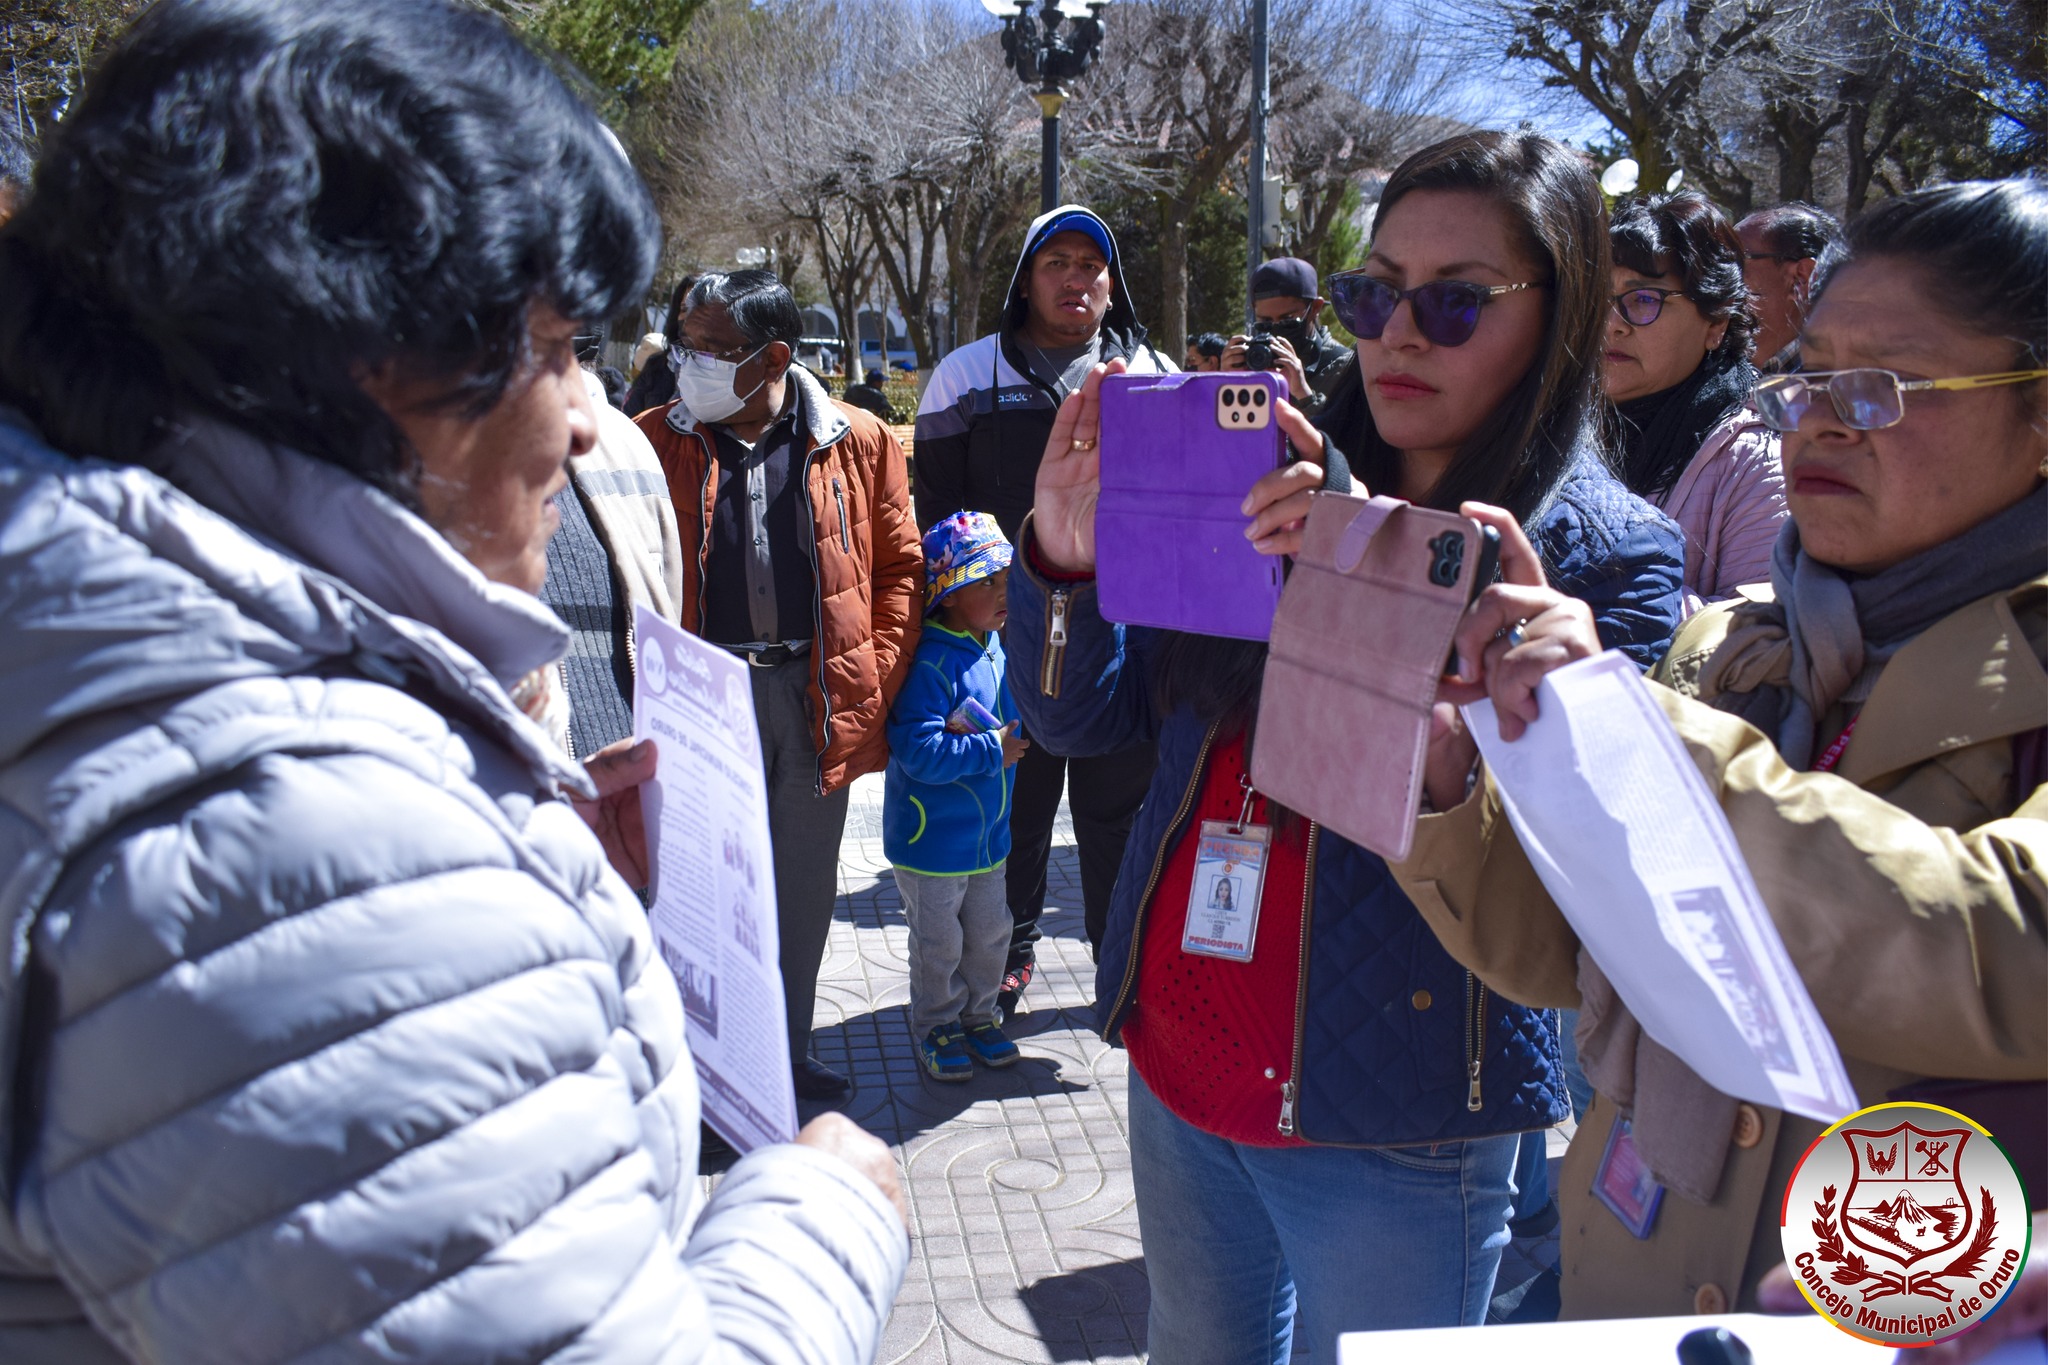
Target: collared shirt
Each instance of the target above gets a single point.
(759, 585)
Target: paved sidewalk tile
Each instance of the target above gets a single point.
(1024, 1234)
(1024, 1230)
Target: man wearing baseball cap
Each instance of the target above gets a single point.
(981, 429)
(1289, 308)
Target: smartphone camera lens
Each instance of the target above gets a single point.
(1229, 397)
(1259, 397)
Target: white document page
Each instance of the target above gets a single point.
(1639, 857)
(713, 908)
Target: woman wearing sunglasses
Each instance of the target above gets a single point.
(1322, 1138)
(1875, 727)
(1678, 381)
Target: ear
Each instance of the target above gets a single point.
(776, 358)
(1802, 279)
(1716, 335)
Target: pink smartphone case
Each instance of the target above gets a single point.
(1358, 645)
(1169, 533)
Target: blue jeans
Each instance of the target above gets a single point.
(1237, 1238)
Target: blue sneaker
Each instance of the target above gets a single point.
(944, 1055)
(988, 1045)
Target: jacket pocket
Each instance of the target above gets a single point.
(845, 533)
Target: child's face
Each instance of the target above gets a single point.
(980, 607)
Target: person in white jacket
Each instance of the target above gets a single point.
(328, 1030)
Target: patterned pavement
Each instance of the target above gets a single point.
(1024, 1231)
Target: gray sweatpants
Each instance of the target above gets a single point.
(959, 941)
(803, 832)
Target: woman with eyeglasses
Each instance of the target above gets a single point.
(1322, 1138)
(1678, 379)
(1874, 727)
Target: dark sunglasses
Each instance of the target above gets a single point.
(1641, 307)
(1446, 311)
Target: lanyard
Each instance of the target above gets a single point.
(1827, 761)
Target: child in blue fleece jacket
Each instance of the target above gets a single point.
(946, 800)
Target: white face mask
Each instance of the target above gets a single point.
(705, 384)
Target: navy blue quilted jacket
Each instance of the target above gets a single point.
(1379, 1061)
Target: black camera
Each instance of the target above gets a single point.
(1258, 349)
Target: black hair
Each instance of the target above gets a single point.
(256, 203)
(1523, 449)
(758, 302)
(1985, 241)
(1210, 344)
(1683, 234)
(1797, 230)
(673, 332)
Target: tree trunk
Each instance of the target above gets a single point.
(1861, 167)
(1795, 158)
(1173, 278)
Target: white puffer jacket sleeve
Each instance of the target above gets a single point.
(359, 1052)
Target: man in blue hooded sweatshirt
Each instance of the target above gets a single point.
(981, 429)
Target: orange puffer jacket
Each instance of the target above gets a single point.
(870, 568)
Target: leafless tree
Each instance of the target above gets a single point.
(1642, 65)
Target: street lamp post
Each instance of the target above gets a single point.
(1035, 48)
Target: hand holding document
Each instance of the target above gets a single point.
(713, 911)
(1640, 859)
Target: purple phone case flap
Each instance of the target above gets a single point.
(1169, 536)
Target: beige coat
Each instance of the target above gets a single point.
(1909, 887)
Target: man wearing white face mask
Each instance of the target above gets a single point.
(799, 554)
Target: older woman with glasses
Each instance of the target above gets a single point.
(1876, 727)
(1678, 378)
(326, 1029)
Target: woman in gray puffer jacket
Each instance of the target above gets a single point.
(326, 1031)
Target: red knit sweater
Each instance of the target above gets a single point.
(1214, 1039)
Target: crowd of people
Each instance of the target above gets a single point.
(332, 1021)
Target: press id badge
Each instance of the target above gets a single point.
(1223, 903)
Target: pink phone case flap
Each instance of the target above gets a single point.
(1359, 642)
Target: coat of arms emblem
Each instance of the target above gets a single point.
(1906, 1202)
(1899, 1223)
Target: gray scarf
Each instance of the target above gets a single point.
(1783, 665)
(1842, 629)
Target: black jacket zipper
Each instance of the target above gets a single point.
(1290, 1090)
(1475, 1040)
(845, 534)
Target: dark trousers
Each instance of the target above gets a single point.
(1104, 794)
(803, 830)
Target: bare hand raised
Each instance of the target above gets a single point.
(1070, 478)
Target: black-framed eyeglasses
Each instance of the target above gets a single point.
(1641, 307)
(1446, 311)
(1865, 400)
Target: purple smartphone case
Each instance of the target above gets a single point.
(1170, 549)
